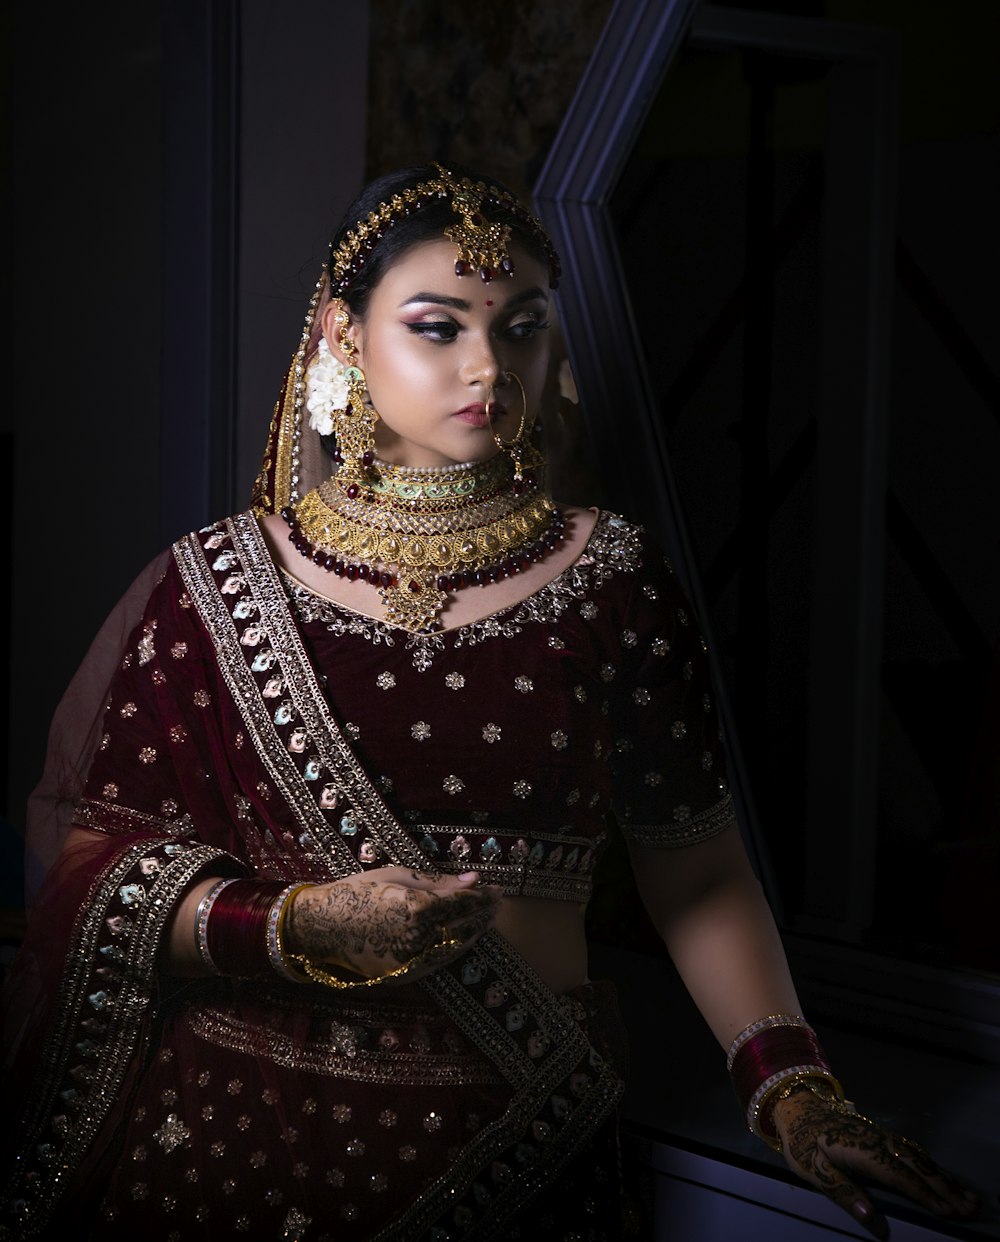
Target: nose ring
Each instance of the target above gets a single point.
(500, 442)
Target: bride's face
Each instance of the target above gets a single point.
(434, 346)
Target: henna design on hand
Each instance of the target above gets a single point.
(825, 1144)
(372, 926)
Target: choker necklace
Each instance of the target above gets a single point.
(421, 535)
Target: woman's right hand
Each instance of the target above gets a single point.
(373, 922)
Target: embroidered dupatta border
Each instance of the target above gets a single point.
(535, 1082)
(43, 1170)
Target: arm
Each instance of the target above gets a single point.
(369, 923)
(708, 906)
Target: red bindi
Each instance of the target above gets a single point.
(488, 302)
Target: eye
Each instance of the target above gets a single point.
(435, 329)
(525, 329)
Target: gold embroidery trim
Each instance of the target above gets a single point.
(227, 1028)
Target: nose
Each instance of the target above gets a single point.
(481, 364)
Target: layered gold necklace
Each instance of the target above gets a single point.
(421, 535)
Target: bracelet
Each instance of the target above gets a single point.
(201, 923)
(770, 1055)
(763, 1024)
(760, 1114)
(275, 929)
(318, 975)
(236, 926)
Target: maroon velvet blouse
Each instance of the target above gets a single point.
(508, 746)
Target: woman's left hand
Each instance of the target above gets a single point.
(836, 1150)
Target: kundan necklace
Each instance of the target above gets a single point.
(420, 535)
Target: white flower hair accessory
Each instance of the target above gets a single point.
(326, 389)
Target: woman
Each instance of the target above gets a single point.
(314, 948)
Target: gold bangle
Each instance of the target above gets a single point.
(318, 975)
(826, 1088)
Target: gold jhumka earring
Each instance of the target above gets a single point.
(354, 426)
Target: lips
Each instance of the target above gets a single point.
(476, 416)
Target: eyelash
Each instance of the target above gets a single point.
(444, 331)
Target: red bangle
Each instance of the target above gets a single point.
(236, 931)
(768, 1054)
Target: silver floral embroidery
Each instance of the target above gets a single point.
(524, 684)
(580, 694)
(127, 710)
(682, 617)
(558, 739)
(110, 791)
(654, 778)
(556, 644)
(420, 731)
(650, 592)
(607, 672)
(147, 754)
(179, 650)
(678, 730)
(491, 733)
(385, 681)
(682, 814)
(452, 784)
(660, 647)
(352, 730)
(687, 672)
(641, 695)
(172, 1134)
(296, 1222)
(707, 760)
(629, 638)
(454, 681)
(706, 703)
(588, 610)
(522, 789)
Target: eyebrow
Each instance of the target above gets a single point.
(536, 292)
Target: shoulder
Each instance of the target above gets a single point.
(619, 546)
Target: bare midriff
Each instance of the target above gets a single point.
(549, 935)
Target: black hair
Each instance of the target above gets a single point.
(429, 220)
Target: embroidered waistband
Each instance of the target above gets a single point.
(546, 865)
